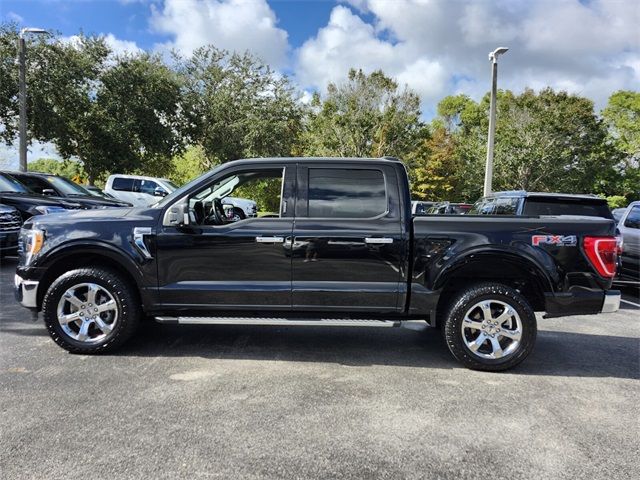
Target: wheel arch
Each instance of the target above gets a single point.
(502, 267)
(72, 257)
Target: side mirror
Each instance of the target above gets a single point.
(48, 191)
(178, 215)
(159, 192)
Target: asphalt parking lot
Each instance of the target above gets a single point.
(300, 402)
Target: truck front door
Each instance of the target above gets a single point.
(216, 263)
(348, 241)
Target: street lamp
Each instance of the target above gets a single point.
(488, 173)
(22, 96)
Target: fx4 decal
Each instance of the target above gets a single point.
(561, 240)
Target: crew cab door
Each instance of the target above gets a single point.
(238, 265)
(347, 240)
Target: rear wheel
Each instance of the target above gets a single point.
(490, 327)
(90, 310)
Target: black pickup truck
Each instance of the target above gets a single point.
(334, 244)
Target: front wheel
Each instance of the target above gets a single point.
(90, 310)
(490, 327)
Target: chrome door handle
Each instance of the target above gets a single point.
(378, 240)
(270, 239)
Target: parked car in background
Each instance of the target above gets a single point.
(629, 228)
(520, 202)
(145, 191)
(28, 203)
(95, 191)
(10, 223)
(138, 190)
(618, 213)
(419, 207)
(448, 208)
(57, 186)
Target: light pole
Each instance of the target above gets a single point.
(22, 95)
(488, 173)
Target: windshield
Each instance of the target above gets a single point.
(183, 189)
(11, 185)
(67, 187)
(169, 184)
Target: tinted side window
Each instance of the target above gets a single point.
(560, 206)
(633, 219)
(342, 193)
(506, 206)
(484, 206)
(123, 184)
(34, 183)
(147, 186)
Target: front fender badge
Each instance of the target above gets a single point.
(559, 240)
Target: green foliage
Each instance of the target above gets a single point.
(366, 116)
(235, 107)
(67, 168)
(617, 201)
(622, 116)
(188, 165)
(265, 192)
(436, 168)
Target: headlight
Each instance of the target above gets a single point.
(45, 210)
(33, 242)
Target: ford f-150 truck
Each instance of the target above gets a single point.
(343, 249)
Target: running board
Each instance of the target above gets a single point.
(328, 322)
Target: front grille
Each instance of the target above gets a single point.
(10, 221)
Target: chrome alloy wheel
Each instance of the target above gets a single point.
(87, 313)
(492, 329)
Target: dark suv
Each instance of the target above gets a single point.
(10, 223)
(519, 202)
(57, 186)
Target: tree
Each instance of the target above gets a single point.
(234, 106)
(114, 113)
(366, 116)
(547, 141)
(622, 117)
(67, 168)
(190, 164)
(436, 168)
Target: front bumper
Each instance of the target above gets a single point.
(582, 303)
(26, 291)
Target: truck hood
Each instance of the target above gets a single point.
(86, 218)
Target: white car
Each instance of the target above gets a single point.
(139, 190)
(144, 191)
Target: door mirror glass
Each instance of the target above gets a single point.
(159, 192)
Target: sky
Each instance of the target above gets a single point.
(436, 47)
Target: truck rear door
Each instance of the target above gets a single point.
(348, 246)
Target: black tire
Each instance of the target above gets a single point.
(455, 337)
(126, 299)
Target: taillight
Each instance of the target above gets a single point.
(602, 252)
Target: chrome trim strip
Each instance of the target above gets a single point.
(377, 240)
(270, 239)
(138, 240)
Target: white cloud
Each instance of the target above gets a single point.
(14, 17)
(235, 25)
(118, 46)
(349, 42)
(440, 47)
